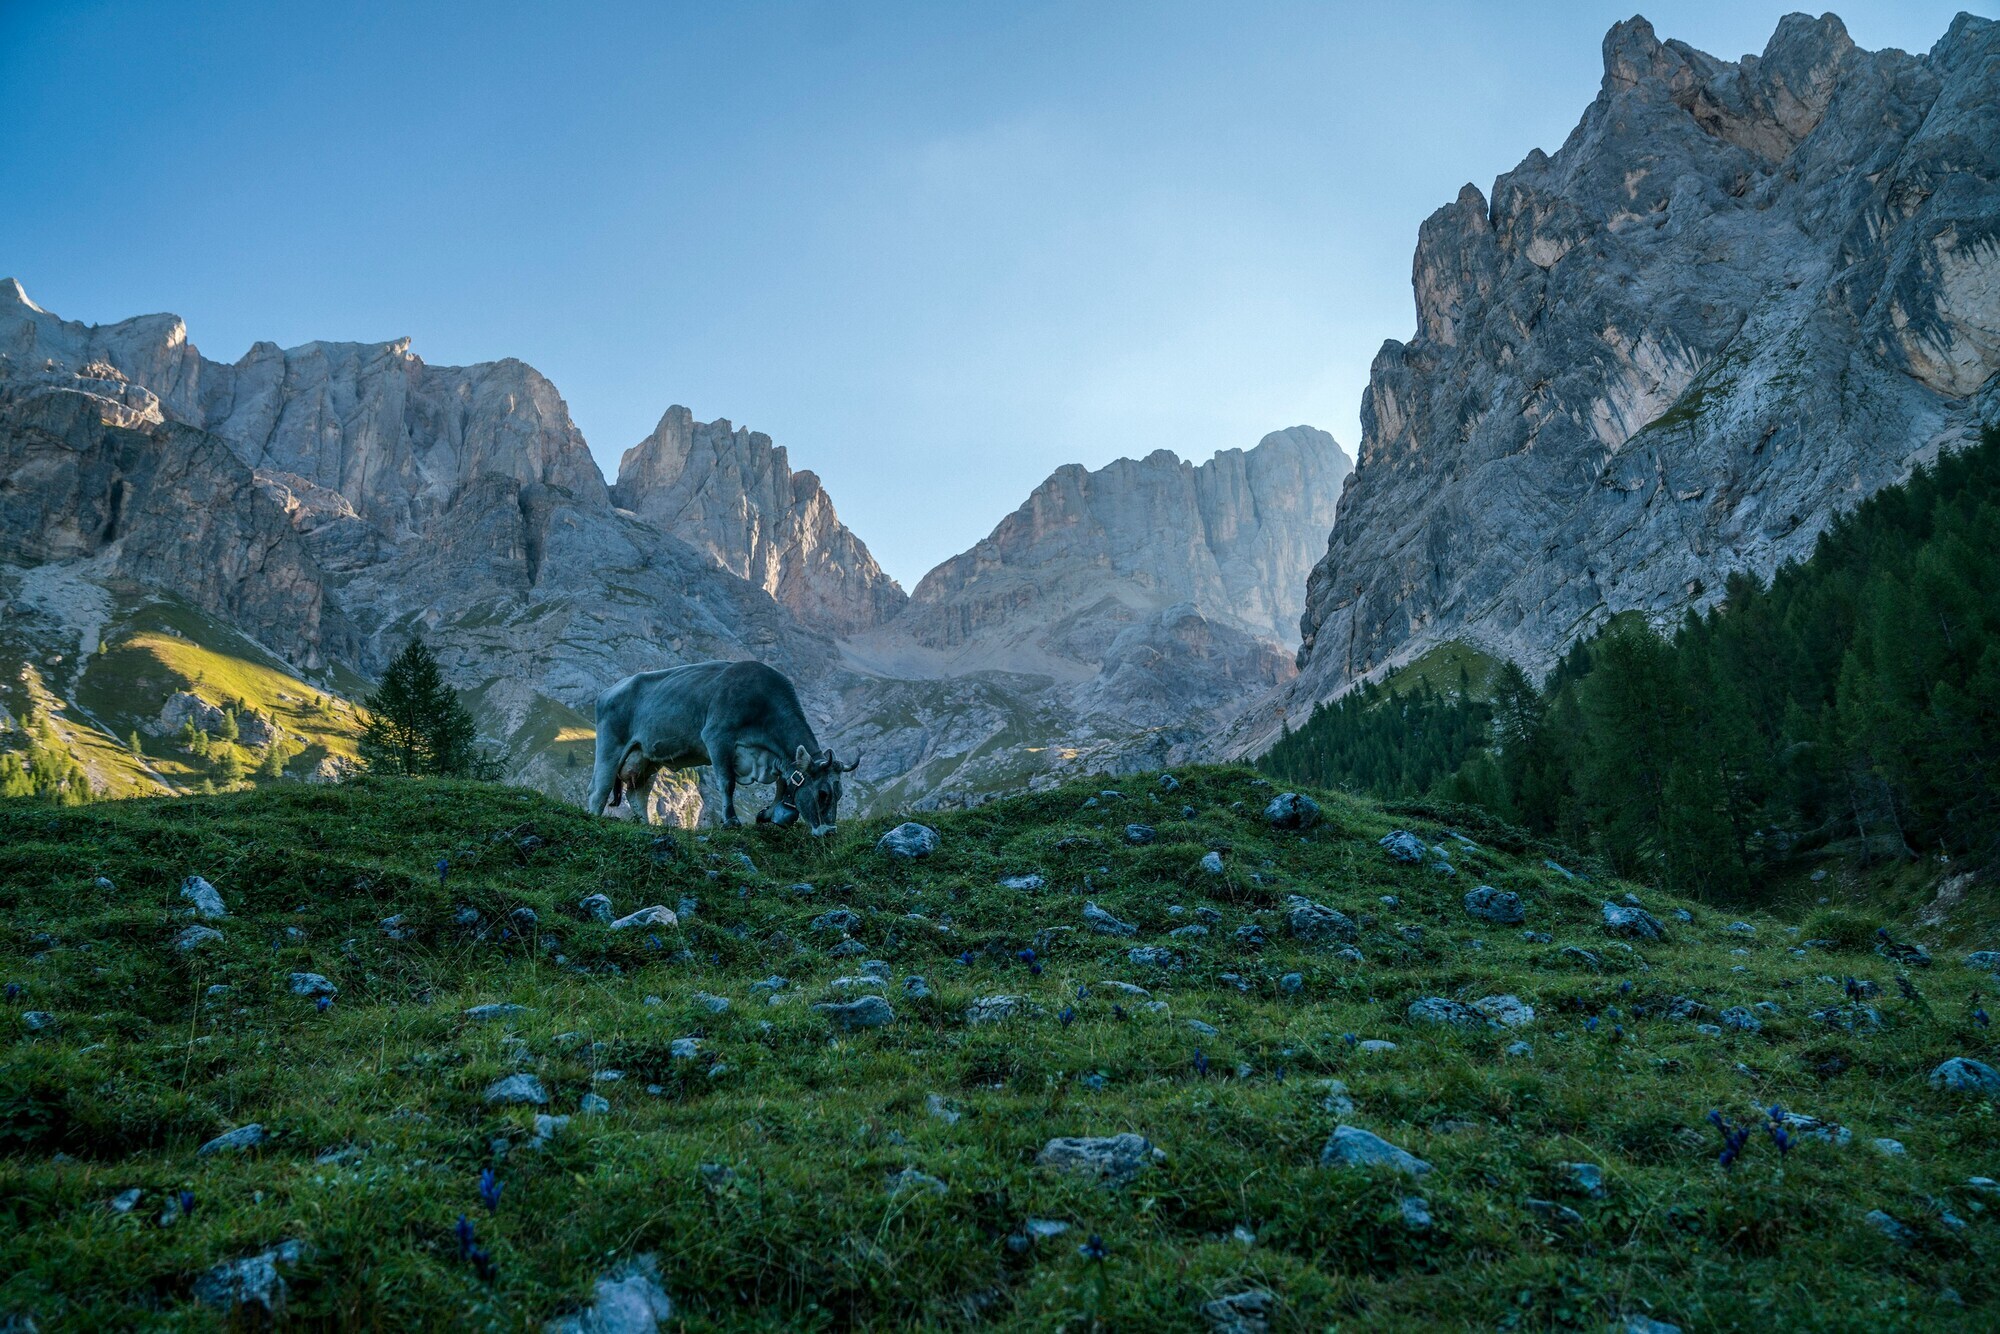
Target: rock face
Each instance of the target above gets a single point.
(1741, 297)
(732, 493)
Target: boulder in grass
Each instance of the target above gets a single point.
(1352, 1146)
(195, 937)
(854, 1015)
(1438, 1010)
(516, 1090)
(1508, 1011)
(1105, 924)
(495, 1010)
(597, 907)
(1403, 846)
(250, 1282)
(1137, 834)
(234, 1141)
(1112, 1158)
(1317, 924)
(993, 1009)
(312, 984)
(1962, 1074)
(659, 915)
(1501, 907)
(1292, 810)
(206, 900)
(1627, 920)
(908, 839)
(1211, 862)
(628, 1300)
(1246, 1312)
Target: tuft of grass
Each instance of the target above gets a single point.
(761, 1169)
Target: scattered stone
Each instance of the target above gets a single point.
(1348, 954)
(494, 1010)
(911, 1179)
(125, 1201)
(1557, 1215)
(1802, 1126)
(1891, 1148)
(1337, 1101)
(524, 918)
(518, 1089)
(1352, 1146)
(1987, 961)
(1577, 954)
(868, 983)
(1250, 936)
(942, 1108)
(1105, 924)
(1403, 846)
(1891, 1227)
(1852, 1018)
(993, 1009)
(908, 839)
(684, 1049)
(867, 1012)
(1588, 1178)
(1246, 1312)
(234, 1141)
(253, 1281)
(1740, 1019)
(1211, 862)
(1962, 1074)
(712, 1003)
(840, 919)
(1027, 882)
(204, 896)
(1501, 907)
(1709, 1030)
(1114, 1158)
(1292, 810)
(657, 915)
(1204, 1029)
(1416, 1213)
(1375, 1044)
(1137, 834)
(1152, 956)
(772, 983)
(1740, 929)
(629, 1300)
(593, 1105)
(1506, 1011)
(597, 907)
(195, 937)
(1317, 924)
(1191, 931)
(1292, 983)
(1438, 1010)
(312, 984)
(1623, 920)
(1520, 1049)
(1126, 989)
(915, 987)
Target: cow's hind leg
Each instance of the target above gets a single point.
(722, 757)
(604, 789)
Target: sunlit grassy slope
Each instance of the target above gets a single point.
(761, 1159)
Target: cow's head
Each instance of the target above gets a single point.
(814, 787)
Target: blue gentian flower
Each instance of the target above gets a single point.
(323, 1003)
(490, 1187)
(1734, 1138)
(1590, 1024)
(1025, 956)
(1094, 1249)
(1117, 1011)
(465, 1236)
(1082, 991)
(14, 990)
(1625, 988)
(1200, 1062)
(185, 1199)
(1350, 1039)
(482, 1263)
(443, 870)
(1067, 1017)
(1979, 1018)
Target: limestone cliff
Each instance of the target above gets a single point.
(1742, 296)
(732, 493)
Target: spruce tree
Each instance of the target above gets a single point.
(416, 725)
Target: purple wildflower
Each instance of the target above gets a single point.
(1625, 987)
(1025, 956)
(1117, 1011)
(323, 1003)
(482, 1263)
(465, 1236)
(966, 958)
(1979, 1018)
(490, 1187)
(1082, 991)
(14, 990)
(1350, 1039)
(1780, 1135)
(443, 870)
(185, 1199)
(1094, 1249)
(1590, 1024)
(1734, 1138)
(1067, 1017)
(1200, 1063)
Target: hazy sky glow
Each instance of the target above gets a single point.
(936, 249)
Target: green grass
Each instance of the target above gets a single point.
(146, 1064)
(1439, 669)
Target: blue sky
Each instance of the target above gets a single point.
(934, 249)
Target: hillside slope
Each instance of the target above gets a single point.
(722, 1146)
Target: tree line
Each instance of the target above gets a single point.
(1851, 702)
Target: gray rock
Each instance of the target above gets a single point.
(1206, 1030)
(494, 1010)
(1506, 1011)
(1985, 961)
(1889, 1148)
(1192, 931)
(993, 1009)
(1292, 983)
(516, 1089)
(710, 1002)
(1292, 810)
(1153, 956)
(312, 984)
(1637, 923)
(1891, 1227)
(866, 1012)
(1246, 1312)
(684, 1049)
(629, 1300)
(593, 1105)
(1317, 924)
(1438, 1010)
(1520, 1049)
(1577, 954)
(1113, 1158)
(840, 919)
(1023, 882)
(1962, 1074)
(658, 915)
(1586, 1177)
(1337, 1102)
(910, 1179)
(1640, 1324)
(942, 1108)
(773, 983)
(206, 900)
(1105, 924)
(1137, 834)
(1403, 846)
(1375, 1044)
(1416, 1213)
(1811, 1127)
(125, 1201)
(915, 987)
(1211, 862)
(1353, 1147)
(1501, 907)
(194, 937)
(1125, 989)
(1557, 1215)
(234, 1141)
(1740, 1019)
(1740, 929)
(250, 1282)
(1249, 935)
(597, 907)
(908, 839)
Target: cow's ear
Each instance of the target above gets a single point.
(802, 757)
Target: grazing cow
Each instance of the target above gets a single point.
(741, 717)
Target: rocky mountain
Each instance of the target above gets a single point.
(733, 494)
(320, 504)
(1742, 296)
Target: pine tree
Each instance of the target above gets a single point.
(228, 767)
(137, 747)
(230, 730)
(416, 725)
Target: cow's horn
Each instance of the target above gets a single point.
(850, 766)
